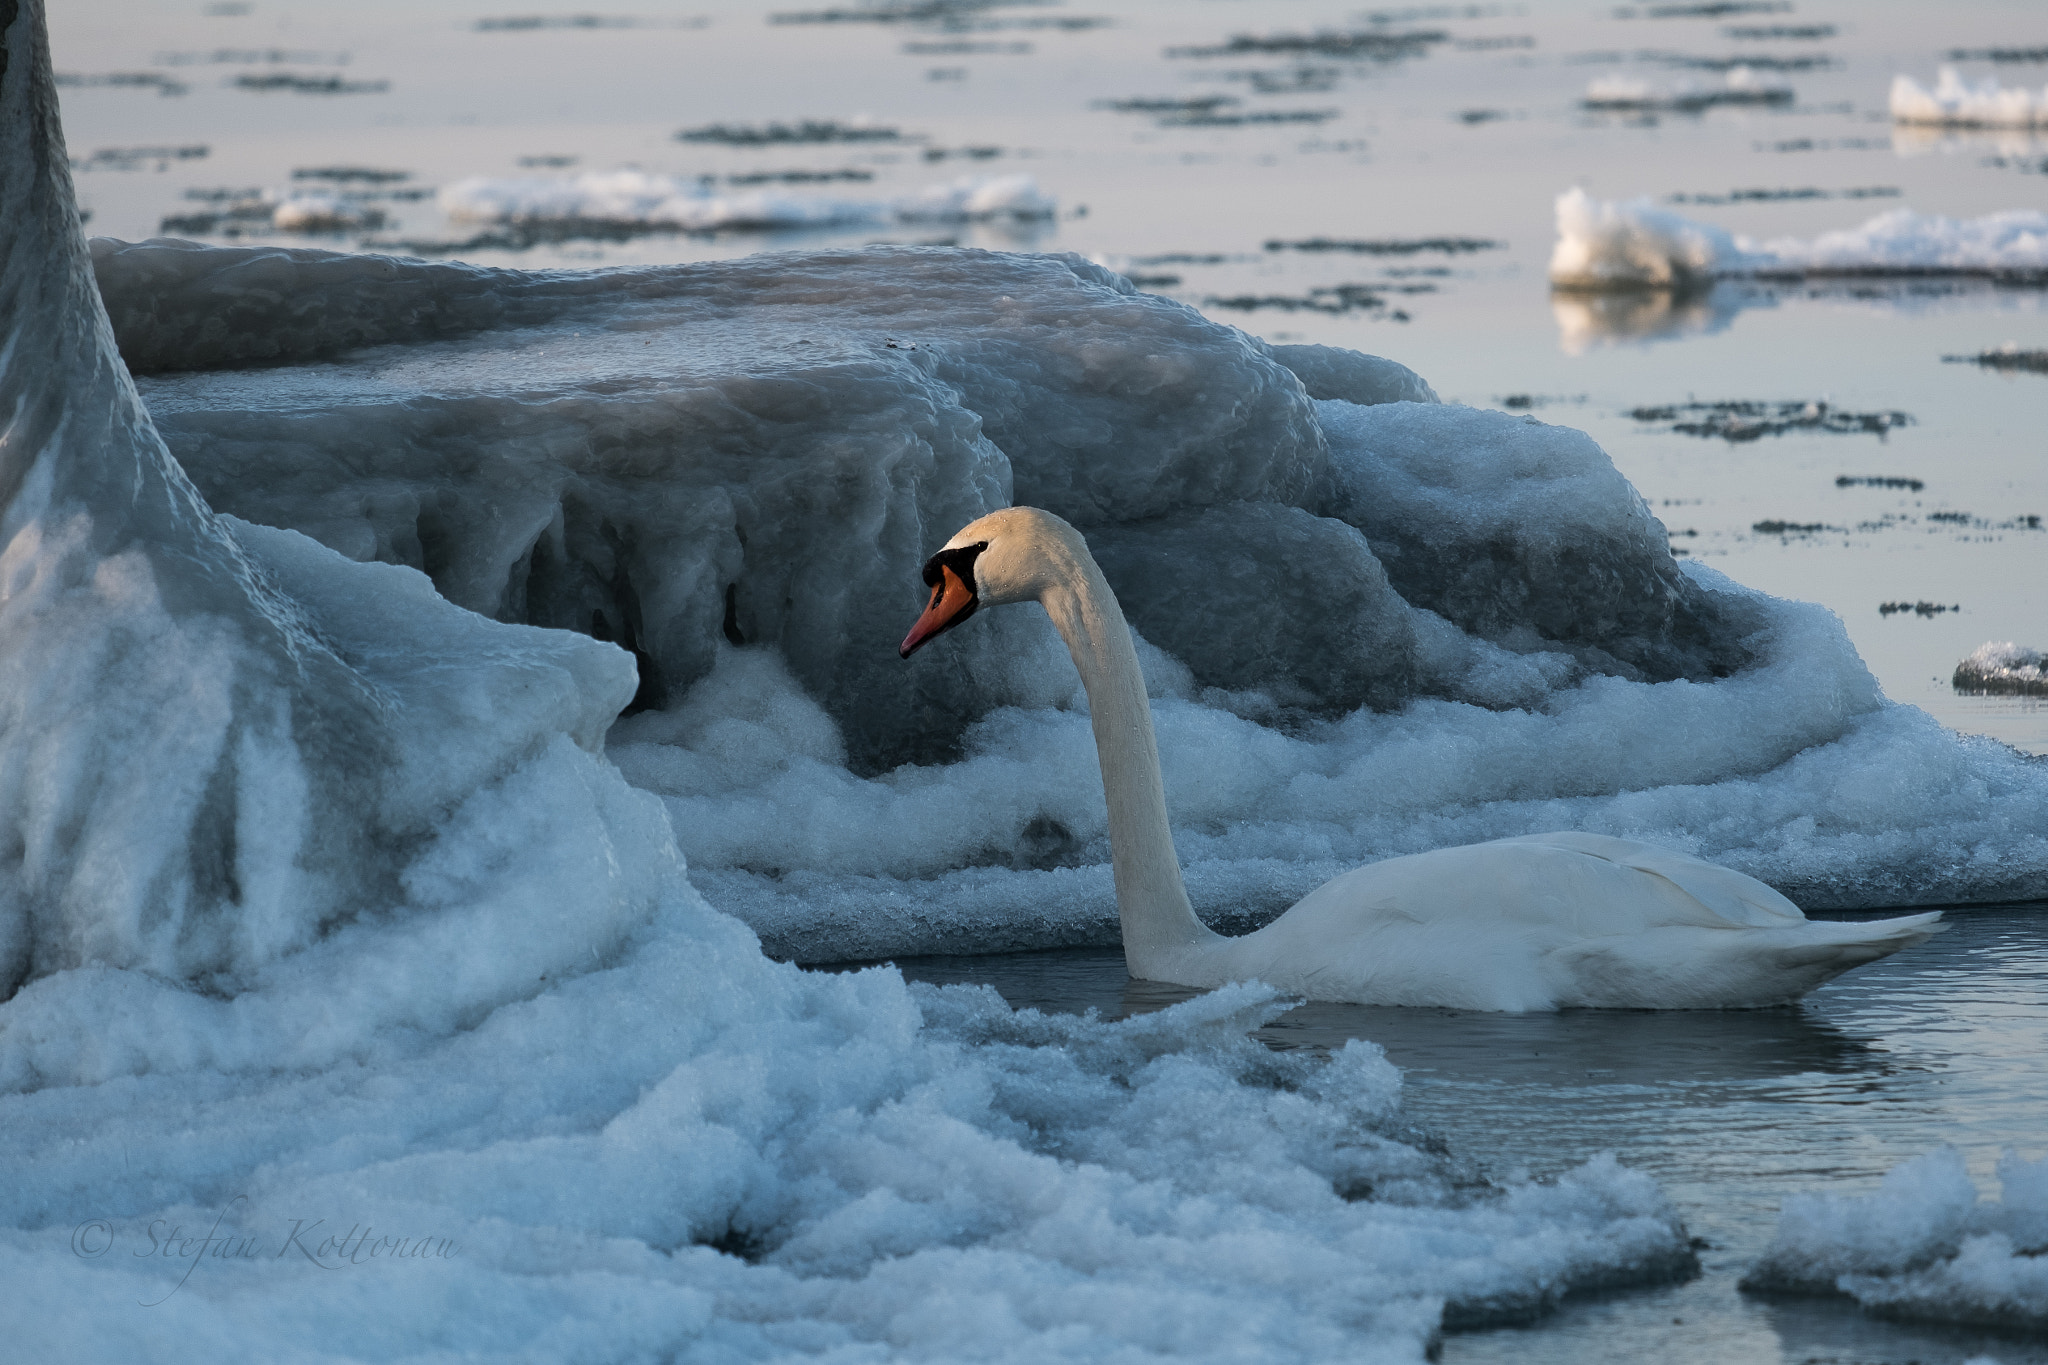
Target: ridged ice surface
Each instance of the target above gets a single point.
(1376, 623)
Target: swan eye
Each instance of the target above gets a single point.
(960, 559)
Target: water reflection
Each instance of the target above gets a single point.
(1638, 316)
(2026, 146)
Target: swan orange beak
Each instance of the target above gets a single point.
(952, 602)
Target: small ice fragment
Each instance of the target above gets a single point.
(1958, 103)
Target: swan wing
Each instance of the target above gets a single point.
(1736, 898)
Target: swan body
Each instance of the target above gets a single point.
(1539, 922)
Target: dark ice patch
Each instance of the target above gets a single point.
(788, 134)
(2005, 358)
(1748, 420)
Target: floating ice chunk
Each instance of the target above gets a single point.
(1901, 242)
(1958, 103)
(1619, 91)
(2002, 668)
(1631, 245)
(314, 211)
(977, 199)
(1740, 86)
(646, 199)
(1923, 1247)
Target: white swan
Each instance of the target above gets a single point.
(1533, 923)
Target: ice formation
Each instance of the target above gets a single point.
(2002, 668)
(645, 199)
(366, 1005)
(1922, 1247)
(1741, 86)
(319, 211)
(1375, 624)
(1631, 245)
(1957, 103)
(1605, 245)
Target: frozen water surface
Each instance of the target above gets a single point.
(1736, 1114)
(445, 977)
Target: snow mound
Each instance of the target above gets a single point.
(1605, 245)
(1922, 1247)
(2002, 668)
(1958, 103)
(646, 199)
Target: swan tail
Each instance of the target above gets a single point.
(1733, 968)
(1852, 944)
(1822, 950)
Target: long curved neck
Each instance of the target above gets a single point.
(1152, 902)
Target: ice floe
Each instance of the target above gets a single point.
(1923, 1247)
(1958, 103)
(1740, 86)
(1609, 245)
(646, 199)
(2002, 668)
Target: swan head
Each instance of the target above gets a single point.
(1009, 556)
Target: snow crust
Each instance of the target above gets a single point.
(1923, 1247)
(1606, 245)
(647, 199)
(1958, 103)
